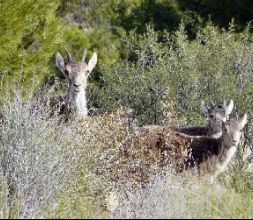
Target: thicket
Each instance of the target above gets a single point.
(159, 58)
(217, 64)
(32, 32)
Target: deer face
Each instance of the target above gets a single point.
(76, 72)
(218, 114)
(222, 112)
(232, 130)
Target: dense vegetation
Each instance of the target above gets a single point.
(31, 32)
(158, 57)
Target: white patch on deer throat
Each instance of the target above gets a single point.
(229, 155)
(80, 103)
(217, 135)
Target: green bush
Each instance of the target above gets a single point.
(160, 75)
(30, 34)
(139, 81)
(217, 64)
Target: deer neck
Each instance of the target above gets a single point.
(225, 147)
(214, 130)
(78, 103)
(226, 152)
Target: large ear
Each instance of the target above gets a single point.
(224, 102)
(243, 121)
(84, 55)
(212, 104)
(93, 61)
(204, 108)
(69, 57)
(59, 62)
(229, 107)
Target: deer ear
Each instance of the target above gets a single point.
(224, 102)
(84, 55)
(229, 107)
(204, 108)
(59, 62)
(243, 121)
(92, 62)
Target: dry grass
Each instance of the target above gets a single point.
(81, 169)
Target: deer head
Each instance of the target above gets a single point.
(77, 74)
(216, 114)
(232, 130)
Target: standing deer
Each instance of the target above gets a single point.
(200, 149)
(77, 74)
(166, 147)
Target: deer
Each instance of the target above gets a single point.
(192, 151)
(186, 151)
(77, 74)
(218, 151)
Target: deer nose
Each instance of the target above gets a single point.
(76, 85)
(234, 142)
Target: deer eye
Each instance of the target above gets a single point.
(219, 106)
(226, 128)
(87, 72)
(66, 72)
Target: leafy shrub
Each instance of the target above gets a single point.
(141, 84)
(30, 34)
(217, 64)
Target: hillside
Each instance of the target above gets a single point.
(148, 62)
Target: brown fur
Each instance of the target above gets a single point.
(196, 150)
(196, 130)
